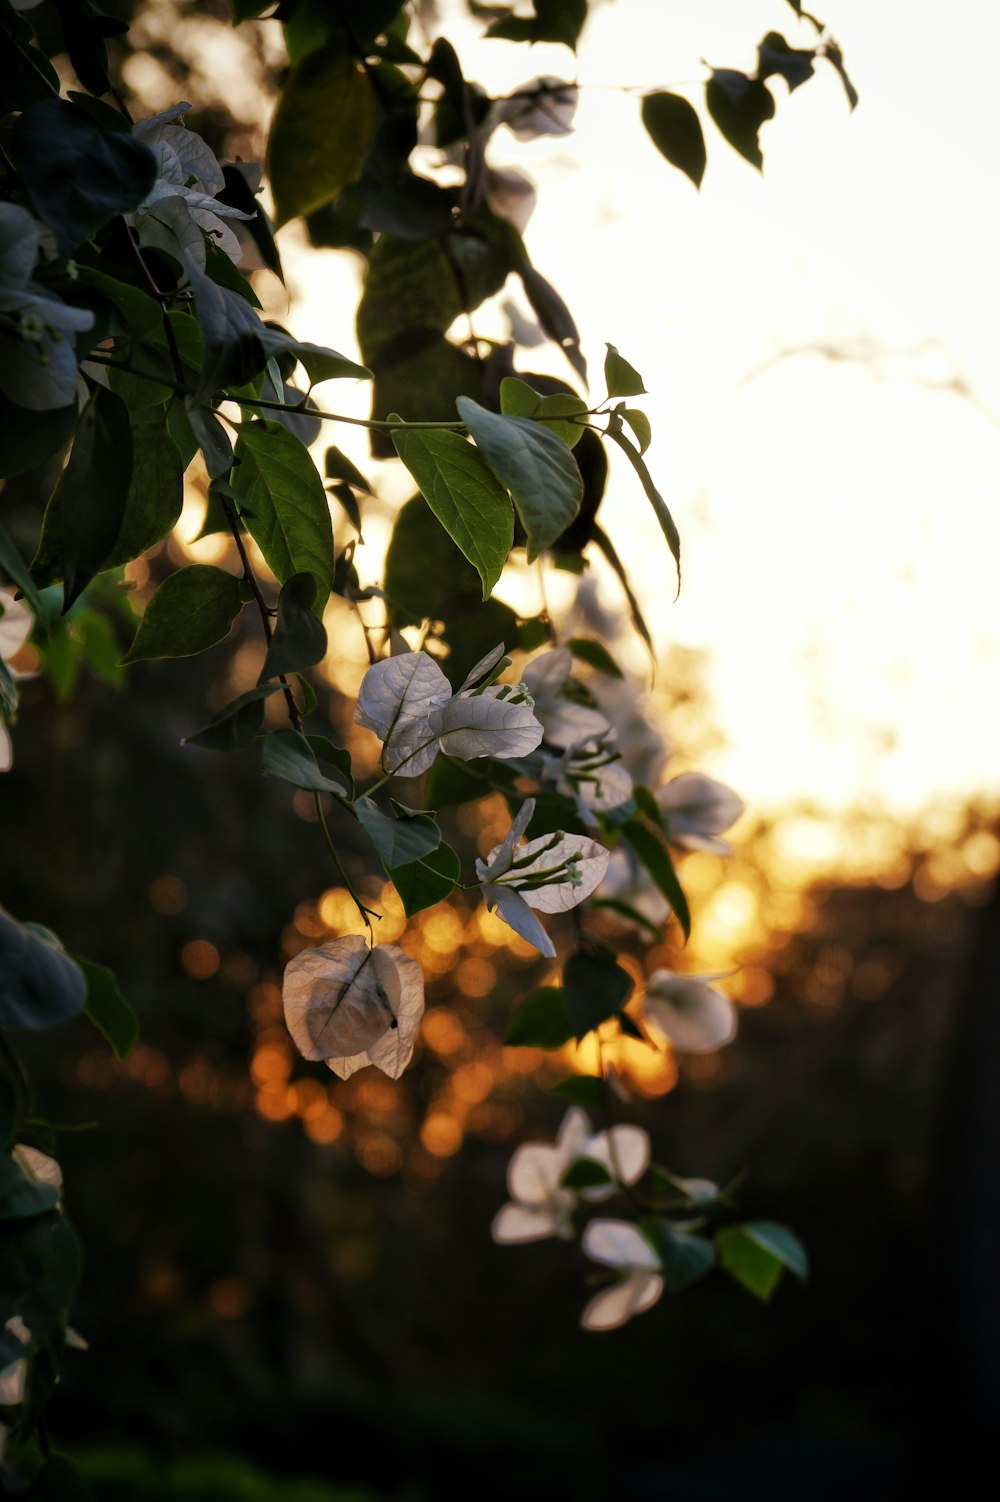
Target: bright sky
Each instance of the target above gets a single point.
(839, 512)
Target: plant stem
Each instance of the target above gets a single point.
(341, 872)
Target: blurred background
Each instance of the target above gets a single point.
(293, 1277)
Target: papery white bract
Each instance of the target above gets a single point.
(621, 1245)
(552, 874)
(16, 621)
(351, 1006)
(14, 1377)
(689, 1011)
(698, 809)
(539, 1205)
(37, 349)
(592, 772)
(409, 704)
(543, 107)
(181, 203)
(565, 722)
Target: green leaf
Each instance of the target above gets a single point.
(667, 524)
(16, 570)
(595, 654)
(86, 509)
(561, 412)
(40, 986)
(299, 639)
(232, 350)
(794, 64)
(757, 1253)
(78, 175)
(20, 1197)
(639, 423)
(542, 1021)
(587, 1090)
(28, 438)
(337, 466)
(675, 130)
(621, 377)
(283, 503)
(319, 138)
(191, 611)
(683, 1256)
(235, 727)
(149, 352)
(422, 883)
(107, 1008)
(553, 21)
(835, 57)
(399, 841)
(336, 756)
(287, 754)
(536, 467)
(586, 1173)
(595, 988)
(320, 364)
(654, 855)
(156, 490)
(455, 782)
(740, 106)
(464, 495)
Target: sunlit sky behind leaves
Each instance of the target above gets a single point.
(820, 349)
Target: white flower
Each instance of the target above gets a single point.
(691, 1013)
(37, 349)
(38, 1168)
(552, 873)
(16, 621)
(539, 1205)
(593, 774)
(351, 1006)
(698, 809)
(543, 107)
(14, 1377)
(565, 721)
(181, 207)
(410, 705)
(619, 1244)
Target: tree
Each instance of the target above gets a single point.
(131, 349)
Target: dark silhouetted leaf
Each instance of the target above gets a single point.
(655, 856)
(794, 64)
(595, 988)
(107, 1008)
(542, 1021)
(287, 754)
(40, 985)
(299, 640)
(739, 106)
(326, 116)
(235, 727)
(675, 130)
(401, 840)
(78, 174)
(422, 883)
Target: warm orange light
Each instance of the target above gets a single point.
(200, 959)
(441, 1135)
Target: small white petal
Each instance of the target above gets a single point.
(624, 1152)
(615, 1306)
(498, 862)
(699, 808)
(335, 1006)
(574, 1140)
(692, 1014)
(512, 908)
(13, 1383)
(514, 1223)
(559, 896)
(6, 749)
(619, 1243)
(483, 668)
(16, 621)
(543, 107)
(485, 726)
(38, 1167)
(534, 1171)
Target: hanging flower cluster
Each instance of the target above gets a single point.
(182, 207)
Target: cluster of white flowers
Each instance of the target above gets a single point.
(182, 208)
(350, 1004)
